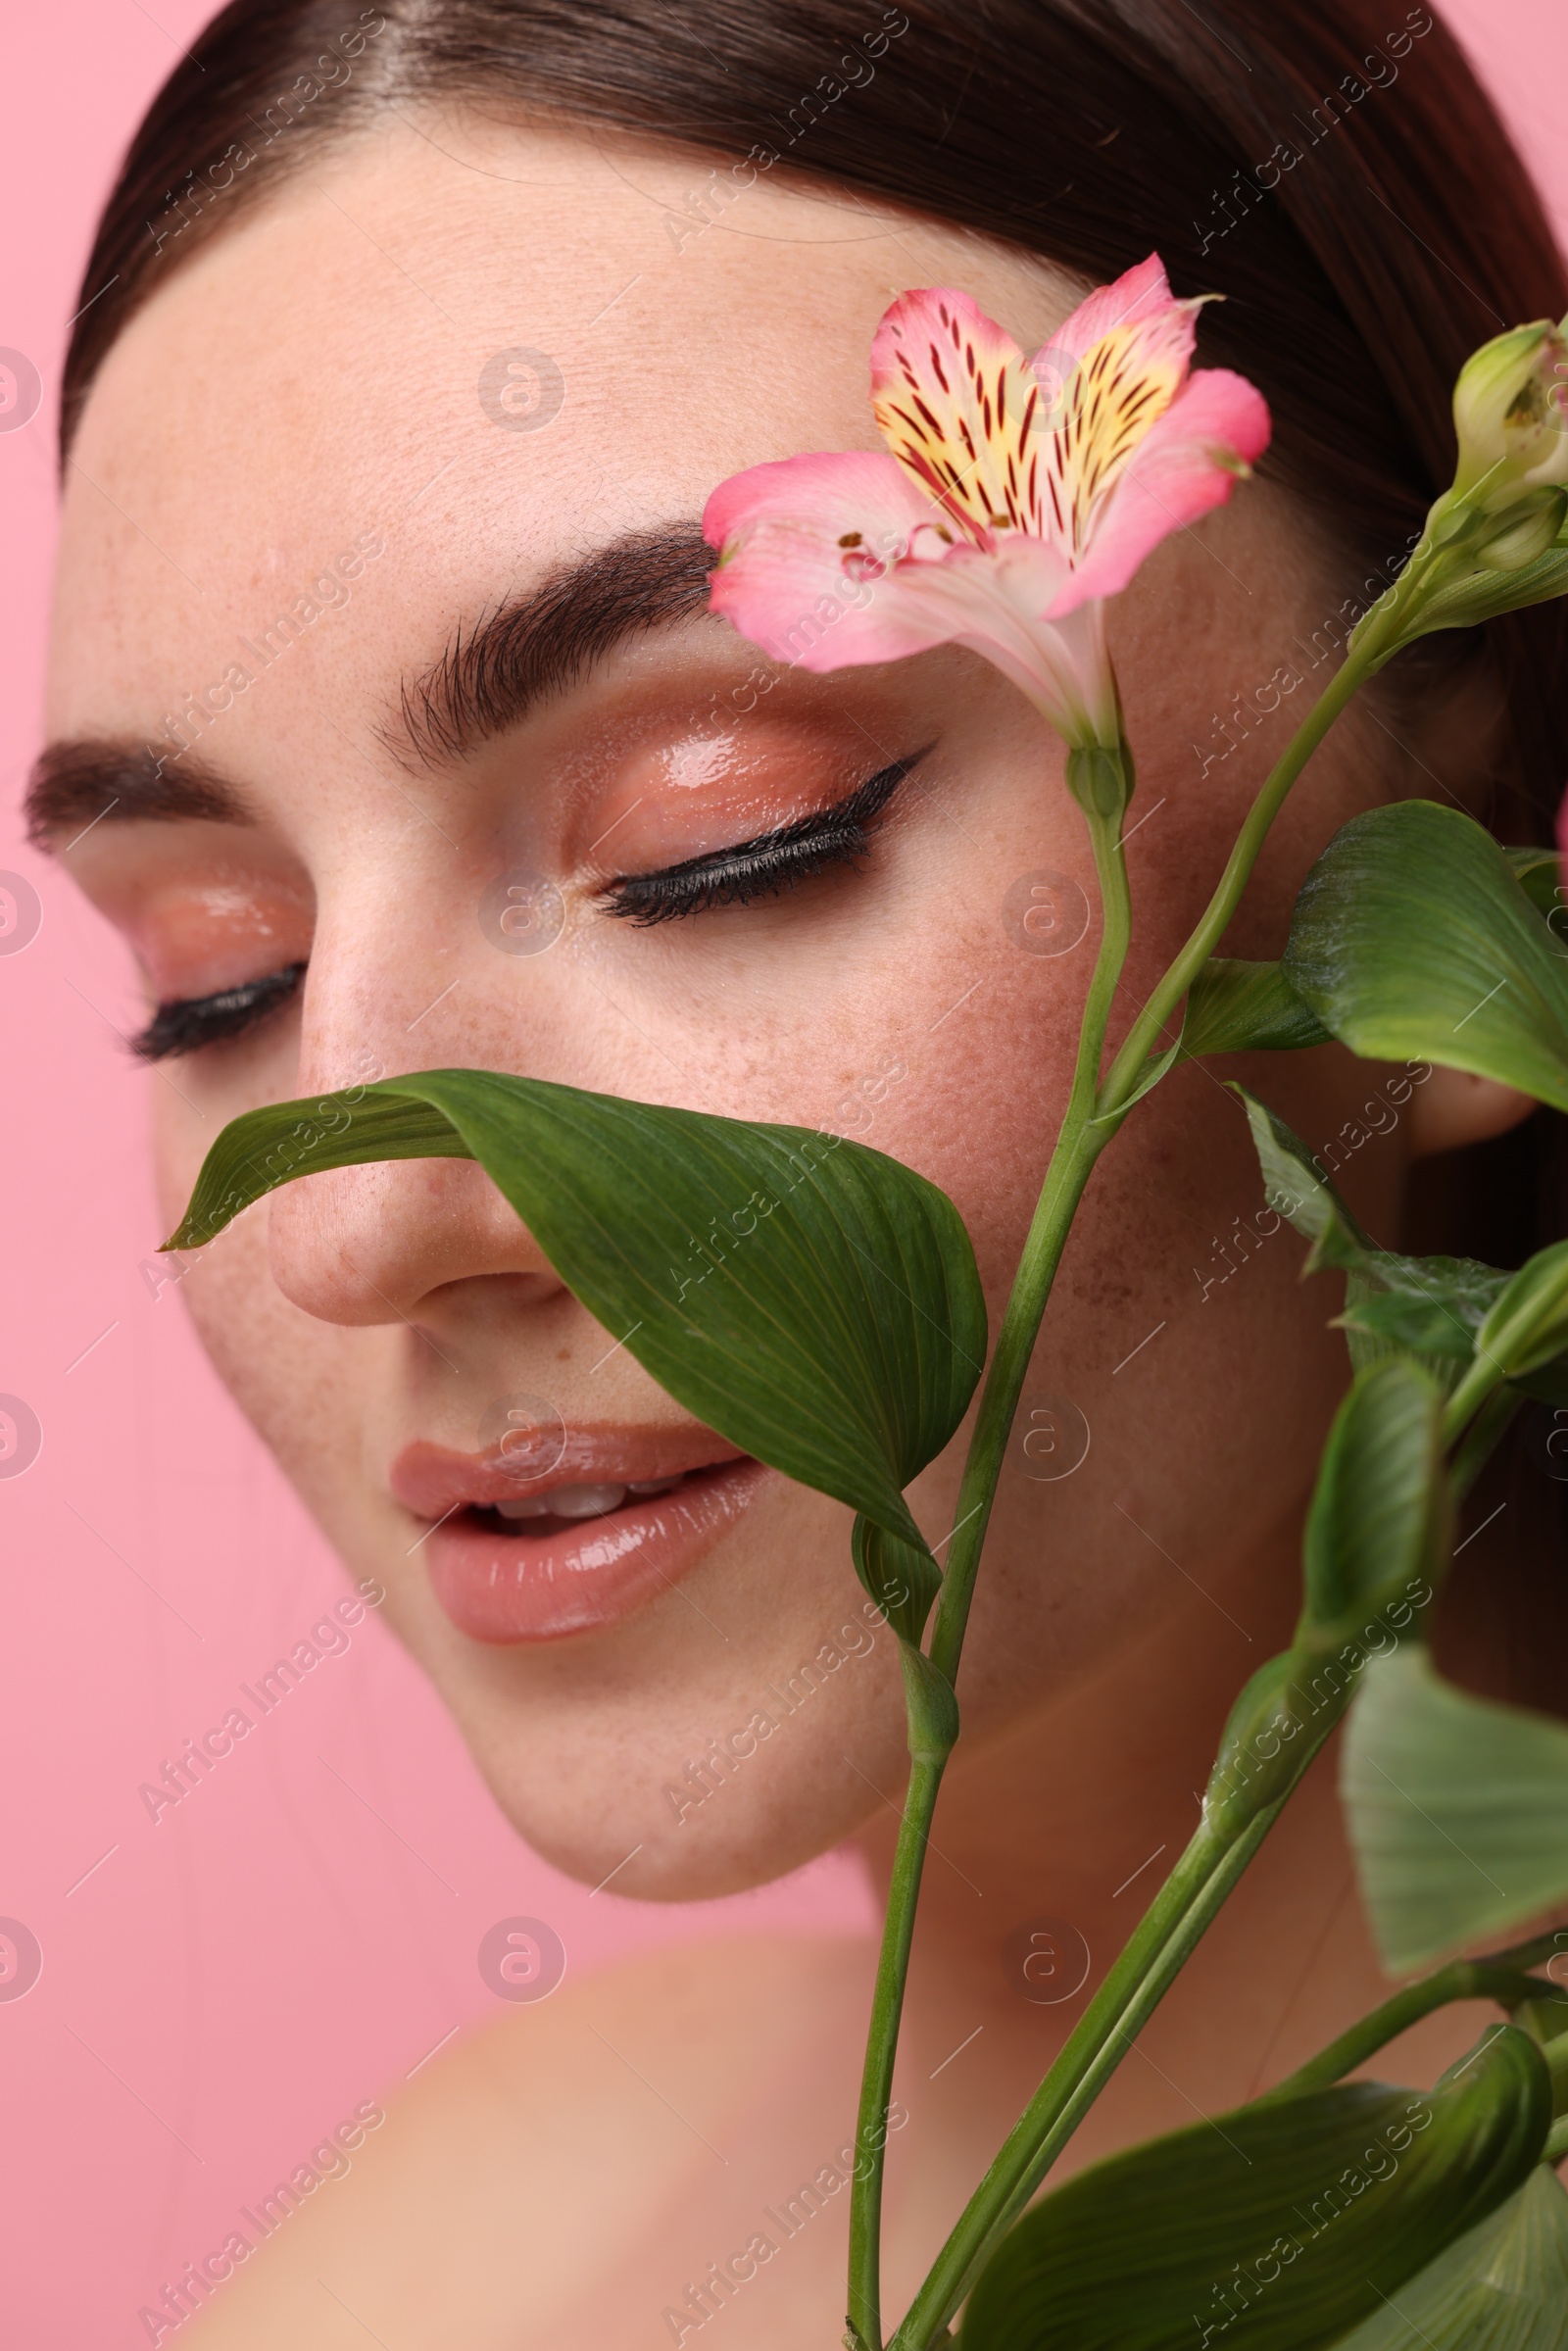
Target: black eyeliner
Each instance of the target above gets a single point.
(765, 865)
(188, 1022)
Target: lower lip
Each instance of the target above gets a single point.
(586, 1577)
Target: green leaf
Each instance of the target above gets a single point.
(1415, 1321)
(1431, 1307)
(813, 1300)
(1457, 1810)
(1233, 1007)
(1374, 1536)
(1528, 1322)
(1483, 595)
(1272, 2229)
(1412, 939)
(903, 1581)
(1537, 872)
(1502, 2287)
(1296, 1188)
(1294, 1184)
(1245, 1007)
(1427, 1305)
(931, 1704)
(1275, 1726)
(1379, 1512)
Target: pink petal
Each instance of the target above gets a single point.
(1118, 363)
(955, 400)
(1139, 293)
(787, 581)
(1185, 465)
(807, 550)
(995, 602)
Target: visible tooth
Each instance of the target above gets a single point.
(654, 1485)
(583, 1501)
(532, 1505)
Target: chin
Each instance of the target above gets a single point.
(707, 1815)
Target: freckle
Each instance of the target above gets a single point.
(563, 1355)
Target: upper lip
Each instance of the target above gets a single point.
(434, 1480)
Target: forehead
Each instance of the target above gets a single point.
(484, 349)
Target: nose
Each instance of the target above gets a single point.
(383, 1243)
(378, 1243)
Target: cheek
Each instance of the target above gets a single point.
(985, 1033)
(263, 1359)
(289, 1374)
(180, 1140)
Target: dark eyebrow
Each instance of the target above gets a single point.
(546, 641)
(482, 683)
(74, 783)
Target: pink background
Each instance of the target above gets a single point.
(220, 1989)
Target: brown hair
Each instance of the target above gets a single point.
(1343, 181)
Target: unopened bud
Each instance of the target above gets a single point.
(1510, 411)
(1524, 531)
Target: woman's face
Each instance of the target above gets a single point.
(448, 379)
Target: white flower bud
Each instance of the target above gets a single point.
(1524, 531)
(1511, 410)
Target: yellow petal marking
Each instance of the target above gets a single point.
(1118, 391)
(961, 418)
(998, 451)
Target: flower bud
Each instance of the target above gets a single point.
(1511, 410)
(1101, 780)
(1524, 531)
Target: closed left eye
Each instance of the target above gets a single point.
(764, 867)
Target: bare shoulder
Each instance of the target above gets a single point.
(533, 2177)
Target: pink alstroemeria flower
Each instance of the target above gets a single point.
(1017, 495)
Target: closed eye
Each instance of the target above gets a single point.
(764, 867)
(188, 1023)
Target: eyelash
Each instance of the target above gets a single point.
(190, 1021)
(763, 867)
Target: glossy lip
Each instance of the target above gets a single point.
(587, 1576)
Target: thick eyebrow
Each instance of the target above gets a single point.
(485, 681)
(76, 783)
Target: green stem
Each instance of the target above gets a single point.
(1503, 1979)
(1465, 1405)
(1078, 1146)
(881, 2047)
(1153, 1958)
(1143, 1035)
